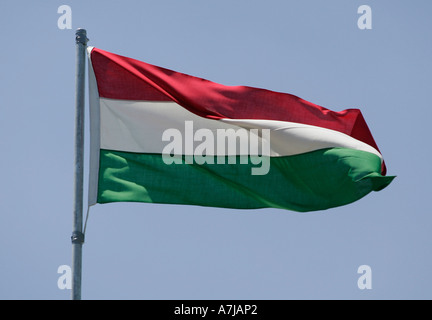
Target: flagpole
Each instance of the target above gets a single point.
(77, 237)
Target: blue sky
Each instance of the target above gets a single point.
(313, 49)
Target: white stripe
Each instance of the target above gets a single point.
(138, 126)
(290, 138)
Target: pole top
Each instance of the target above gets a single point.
(81, 36)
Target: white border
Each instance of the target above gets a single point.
(94, 133)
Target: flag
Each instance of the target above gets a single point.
(160, 136)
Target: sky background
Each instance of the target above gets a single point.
(312, 49)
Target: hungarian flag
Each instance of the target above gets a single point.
(160, 136)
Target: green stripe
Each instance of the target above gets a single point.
(312, 181)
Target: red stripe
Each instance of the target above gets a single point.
(124, 78)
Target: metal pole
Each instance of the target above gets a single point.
(77, 235)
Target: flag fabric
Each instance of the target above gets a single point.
(160, 136)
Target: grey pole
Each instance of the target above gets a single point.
(77, 234)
